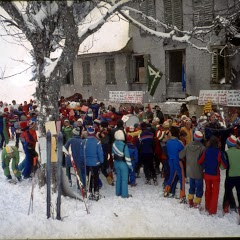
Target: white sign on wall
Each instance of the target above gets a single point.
(126, 96)
(220, 97)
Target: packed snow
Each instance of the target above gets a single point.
(146, 214)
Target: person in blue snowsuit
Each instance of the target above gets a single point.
(174, 146)
(92, 154)
(133, 151)
(75, 143)
(122, 162)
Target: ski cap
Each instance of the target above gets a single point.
(76, 131)
(198, 136)
(119, 135)
(231, 141)
(91, 130)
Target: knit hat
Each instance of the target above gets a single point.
(198, 136)
(9, 149)
(119, 135)
(160, 134)
(80, 120)
(91, 130)
(166, 124)
(131, 129)
(76, 131)
(129, 138)
(231, 141)
(90, 112)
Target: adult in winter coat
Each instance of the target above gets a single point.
(133, 151)
(194, 171)
(212, 159)
(3, 131)
(233, 177)
(146, 149)
(28, 138)
(92, 155)
(75, 143)
(122, 162)
(174, 146)
(10, 153)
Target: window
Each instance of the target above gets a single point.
(220, 65)
(110, 71)
(148, 8)
(86, 73)
(173, 13)
(202, 12)
(138, 68)
(69, 78)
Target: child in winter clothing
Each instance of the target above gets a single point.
(122, 162)
(233, 173)
(8, 153)
(192, 152)
(211, 159)
(174, 146)
(133, 151)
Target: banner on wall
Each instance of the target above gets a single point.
(230, 98)
(126, 96)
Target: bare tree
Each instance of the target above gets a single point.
(50, 25)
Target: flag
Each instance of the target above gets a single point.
(154, 76)
(183, 79)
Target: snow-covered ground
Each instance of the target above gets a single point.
(146, 214)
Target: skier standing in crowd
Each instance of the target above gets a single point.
(75, 142)
(194, 171)
(92, 155)
(122, 162)
(3, 131)
(211, 159)
(10, 153)
(232, 175)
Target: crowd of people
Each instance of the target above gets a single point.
(180, 149)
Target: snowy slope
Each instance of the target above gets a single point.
(147, 214)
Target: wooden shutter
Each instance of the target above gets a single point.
(143, 9)
(215, 66)
(208, 11)
(178, 14)
(151, 12)
(112, 71)
(168, 12)
(197, 6)
(227, 66)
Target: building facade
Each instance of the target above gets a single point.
(97, 73)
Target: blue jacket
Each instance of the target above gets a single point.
(146, 142)
(211, 159)
(75, 143)
(120, 149)
(174, 146)
(133, 151)
(91, 148)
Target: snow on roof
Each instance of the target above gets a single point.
(112, 36)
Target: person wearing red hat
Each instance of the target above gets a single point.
(133, 151)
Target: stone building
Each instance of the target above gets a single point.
(115, 58)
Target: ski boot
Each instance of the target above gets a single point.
(183, 200)
(190, 203)
(155, 181)
(148, 181)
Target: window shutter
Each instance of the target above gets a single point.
(197, 6)
(143, 9)
(168, 12)
(178, 14)
(113, 80)
(227, 66)
(151, 12)
(208, 11)
(215, 66)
